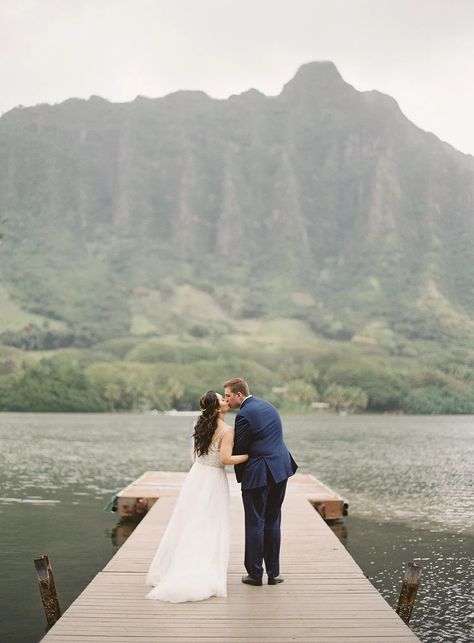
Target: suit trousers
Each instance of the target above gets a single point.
(262, 507)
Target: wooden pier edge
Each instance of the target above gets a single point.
(139, 496)
(325, 598)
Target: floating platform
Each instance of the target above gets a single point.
(141, 495)
(325, 598)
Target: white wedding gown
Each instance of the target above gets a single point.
(191, 561)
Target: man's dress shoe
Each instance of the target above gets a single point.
(275, 580)
(250, 580)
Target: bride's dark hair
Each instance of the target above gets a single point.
(206, 423)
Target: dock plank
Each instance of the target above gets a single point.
(325, 598)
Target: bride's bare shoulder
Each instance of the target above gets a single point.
(222, 430)
(226, 430)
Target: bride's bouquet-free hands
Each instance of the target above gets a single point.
(227, 445)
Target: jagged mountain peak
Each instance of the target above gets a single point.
(315, 77)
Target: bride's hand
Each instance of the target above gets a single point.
(225, 453)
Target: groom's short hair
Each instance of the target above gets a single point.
(238, 385)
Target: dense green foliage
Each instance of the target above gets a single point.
(316, 242)
(348, 377)
(34, 338)
(51, 385)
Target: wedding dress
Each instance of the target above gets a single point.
(191, 561)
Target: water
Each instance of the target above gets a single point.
(409, 482)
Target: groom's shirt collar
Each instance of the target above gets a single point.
(244, 400)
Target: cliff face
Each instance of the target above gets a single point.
(323, 189)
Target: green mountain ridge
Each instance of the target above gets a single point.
(201, 218)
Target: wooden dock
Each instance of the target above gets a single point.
(142, 494)
(325, 598)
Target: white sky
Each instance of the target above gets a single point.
(421, 52)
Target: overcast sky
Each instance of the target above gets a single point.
(421, 52)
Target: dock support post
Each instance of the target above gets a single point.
(47, 590)
(410, 584)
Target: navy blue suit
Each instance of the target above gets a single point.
(263, 477)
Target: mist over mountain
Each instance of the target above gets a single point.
(323, 204)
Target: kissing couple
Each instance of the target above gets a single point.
(191, 561)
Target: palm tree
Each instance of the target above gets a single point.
(346, 398)
(111, 395)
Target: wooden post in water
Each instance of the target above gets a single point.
(47, 590)
(406, 601)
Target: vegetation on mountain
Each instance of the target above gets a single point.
(316, 242)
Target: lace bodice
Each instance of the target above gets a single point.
(212, 459)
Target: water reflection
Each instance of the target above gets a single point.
(339, 529)
(123, 529)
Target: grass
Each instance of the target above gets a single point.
(14, 317)
(183, 307)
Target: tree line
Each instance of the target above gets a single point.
(62, 385)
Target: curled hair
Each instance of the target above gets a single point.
(206, 423)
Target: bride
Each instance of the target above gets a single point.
(191, 561)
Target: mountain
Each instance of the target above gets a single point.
(322, 204)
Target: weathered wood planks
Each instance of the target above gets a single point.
(325, 598)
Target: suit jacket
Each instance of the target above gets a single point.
(259, 433)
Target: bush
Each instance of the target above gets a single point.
(436, 400)
(134, 386)
(34, 338)
(50, 385)
(384, 386)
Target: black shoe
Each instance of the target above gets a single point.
(250, 580)
(275, 580)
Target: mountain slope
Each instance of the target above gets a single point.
(322, 190)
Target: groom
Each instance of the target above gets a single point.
(258, 432)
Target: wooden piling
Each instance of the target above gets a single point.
(47, 590)
(410, 584)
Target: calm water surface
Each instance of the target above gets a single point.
(409, 482)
